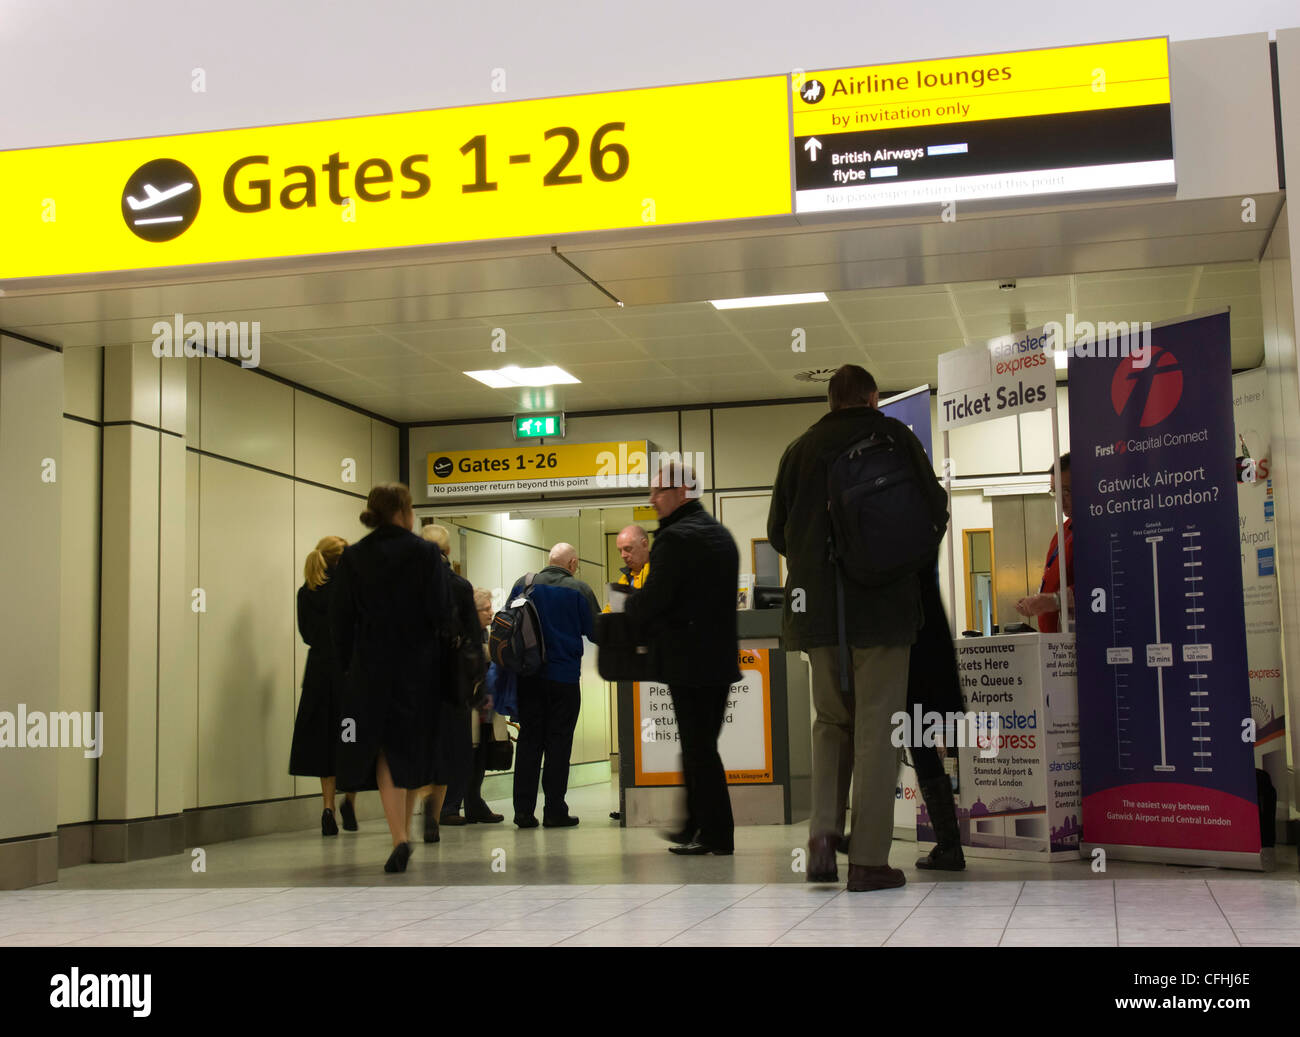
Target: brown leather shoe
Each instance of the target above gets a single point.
(863, 879)
(821, 858)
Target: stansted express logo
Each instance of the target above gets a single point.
(1022, 353)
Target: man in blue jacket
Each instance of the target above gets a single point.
(549, 701)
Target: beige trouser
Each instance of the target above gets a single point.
(852, 739)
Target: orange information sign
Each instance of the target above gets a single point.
(746, 740)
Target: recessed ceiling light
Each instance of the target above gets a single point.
(768, 300)
(513, 377)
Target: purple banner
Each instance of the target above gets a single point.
(912, 408)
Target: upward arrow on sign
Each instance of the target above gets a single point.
(811, 147)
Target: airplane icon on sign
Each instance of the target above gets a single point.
(155, 197)
(160, 200)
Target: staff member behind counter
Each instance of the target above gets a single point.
(1046, 604)
(634, 548)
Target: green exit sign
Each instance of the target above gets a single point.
(534, 426)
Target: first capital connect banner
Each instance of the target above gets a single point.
(1164, 697)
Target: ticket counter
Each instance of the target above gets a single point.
(765, 743)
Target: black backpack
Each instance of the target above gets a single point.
(515, 639)
(883, 526)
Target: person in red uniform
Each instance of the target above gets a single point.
(1046, 604)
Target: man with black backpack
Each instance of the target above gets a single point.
(857, 511)
(549, 696)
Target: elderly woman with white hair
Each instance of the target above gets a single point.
(482, 721)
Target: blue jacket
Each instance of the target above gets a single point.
(566, 617)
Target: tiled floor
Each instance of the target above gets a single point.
(1103, 913)
(601, 885)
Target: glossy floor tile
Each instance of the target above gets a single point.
(603, 885)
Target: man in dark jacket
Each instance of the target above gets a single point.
(851, 737)
(686, 612)
(549, 701)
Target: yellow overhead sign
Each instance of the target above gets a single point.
(993, 86)
(569, 467)
(517, 169)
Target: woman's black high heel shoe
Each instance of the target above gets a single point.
(398, 858)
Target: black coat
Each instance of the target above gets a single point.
(390, 600)
(314, 752)
(454, 754)
(798, 527)
(686, 611)
(933, 681)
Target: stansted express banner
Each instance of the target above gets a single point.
(1163, 687)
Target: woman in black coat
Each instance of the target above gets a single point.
(314, 751)
(385, 615)
(934, 683)
(454, 753)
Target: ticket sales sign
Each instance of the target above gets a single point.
(623, 159)
(1010, 375)
(998, 126)
(572, 467)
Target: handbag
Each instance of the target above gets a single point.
(618, 656)
(462, 671)
(498, 753)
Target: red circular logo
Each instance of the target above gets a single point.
(1151, 392)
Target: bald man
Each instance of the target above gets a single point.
(549, 700)
(634, 548)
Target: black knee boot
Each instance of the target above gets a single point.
(947, 855)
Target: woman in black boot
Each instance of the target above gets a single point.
(933, 683)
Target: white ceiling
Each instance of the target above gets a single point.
(394, 337)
